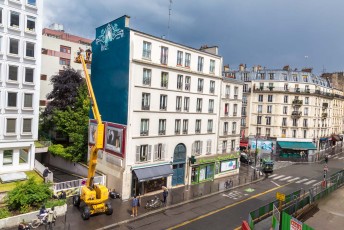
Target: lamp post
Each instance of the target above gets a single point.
(256, 150)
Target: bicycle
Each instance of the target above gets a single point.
(228, 184)
(41, 220)
(154, 203)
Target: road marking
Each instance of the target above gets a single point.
(285, 178)
(296, 178)
(300, 181)
(278, 177)
(275, 183)
(310, 182)
(226, 207)
(273, 175)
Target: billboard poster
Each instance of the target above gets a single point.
(265, 146)
(113, 140)
(228, 165)
(92, 132)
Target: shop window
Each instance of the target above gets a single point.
(143, 153)
(8, 157)
(23, 156)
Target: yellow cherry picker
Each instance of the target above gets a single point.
(94, 196)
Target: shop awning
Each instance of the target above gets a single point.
(296, 145)
(152, 173)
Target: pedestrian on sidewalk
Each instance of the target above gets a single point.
(45, 174)
(134, 205)
(51, 218)
(164, 194)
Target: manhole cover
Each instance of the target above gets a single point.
(249, 190)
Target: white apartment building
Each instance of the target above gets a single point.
(20, 62)
(59, 50)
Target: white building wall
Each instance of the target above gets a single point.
(18, 140)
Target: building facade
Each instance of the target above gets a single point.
(20, 62)
(289, 106)
(59, 50)
(163, 99)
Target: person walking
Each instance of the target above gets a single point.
(51, 218)
(45, 174)
(164, 195)
(134, 205)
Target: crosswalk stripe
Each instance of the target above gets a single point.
(296, 178)
(273, 175)
(340, 158)
(300, 181)
(278, 177)
(310, 182)
(285, 178)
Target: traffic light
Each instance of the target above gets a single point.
(192, 160)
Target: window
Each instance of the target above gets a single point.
(285, 109)
(13, 73)
(14, 46)
(178, 103)
(270, 98)
(286, 87)
(306, 100)
(232, 145)
(243, 111)
(234, 128)
(64, 61)
(198, 126)
(31, 24)
(144, 127)
(146, 51)
(29, 75)
(200, 64)
(143, 153)
(305, 123)
(260, 98)
(145, 101)
(14, 19)
(200, 85)
(163, 102)
(11, 99)
(31, 2)
(235, 110)
(8, 157)
(305, 78)
(258, 131)
(285, 77)
(225, 128)
(185, 126)
(268, 120)
(212, 87)
(212, 66)
(210, 126)
(208, 147)
(164, 55)
(284, 121)
(271, 76)
(186, 104)
(27, 125)
(28, 97)
(199, 105)
(267, 132)
(269, 109)
(285, 99)
(30, 50)
(164, 79)
(261, 86)
(180, 82)
(43, 77)
(211, 106)
(179, 58)
(236, 91)
(259, 120)
(147, 74)
(295, 77)
(65, 49)
(162, 126)
(11, 125)
(177, 126)
(260, 108)
(294, 133)
(0, 16)
(224, 146)
(304, 133)
(187, 83)
(306, 111)
(294, 122)
(284, 132)
(187, 59)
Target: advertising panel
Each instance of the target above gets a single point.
(228, 165)
(114, 137)
(92, 129)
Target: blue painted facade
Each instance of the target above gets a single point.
(110, 70)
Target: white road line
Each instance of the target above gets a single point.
(296, 178)
(273, 175)
(300, 181)
(275, 183)
(275, 178)
(310, 182)
(285, 178)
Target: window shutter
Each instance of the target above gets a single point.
(137, 153)
(163, 152)
(208, 146)
(193, 148)
(155, 152)
(200, 149)
(149, 158)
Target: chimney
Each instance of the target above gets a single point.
(127, 21)
(241, 67)
(286, 68)
(226, 68)
(307, 70)
(209, 49)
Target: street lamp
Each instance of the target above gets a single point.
(256, 150)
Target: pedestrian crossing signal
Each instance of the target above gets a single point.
(192, 160)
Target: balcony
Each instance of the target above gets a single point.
(187, 86)
(198, 110)
(271, 88)
(210, 110)
(227, 95)
(177, 132)
(296, 114)
(297, 90)
(233, 131)
(146, 81)
(225, 133)
(178, 109)
(297, 102)
(144, 133)
(145, 107)
(163, 108)
(209, 130)
(235, 96)
(185, 131)
(226, 113)
(198, 131)
(323, 115)
(200, 89)
(164, 83)
(235, 114)
(162, 132)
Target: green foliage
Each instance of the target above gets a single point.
(59, 150)
(54, 202)
(30, 193)
(4, 213)
(25, 209)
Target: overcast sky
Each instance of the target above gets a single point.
(271, 33)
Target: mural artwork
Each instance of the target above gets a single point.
(108, 34)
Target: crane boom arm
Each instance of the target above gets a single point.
(99, 134)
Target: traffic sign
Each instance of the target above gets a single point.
(280, 196)
(295, 224)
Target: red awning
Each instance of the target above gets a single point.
(243, 144)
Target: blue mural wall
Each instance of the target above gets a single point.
(110, 70)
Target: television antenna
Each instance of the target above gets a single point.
(169, 17)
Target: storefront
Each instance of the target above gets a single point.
(150, 179)
(292, 149)
(213, 167)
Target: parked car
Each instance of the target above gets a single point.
(244, 158)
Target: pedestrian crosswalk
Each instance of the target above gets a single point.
(297, 180)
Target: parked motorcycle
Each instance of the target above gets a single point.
(153, 203)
